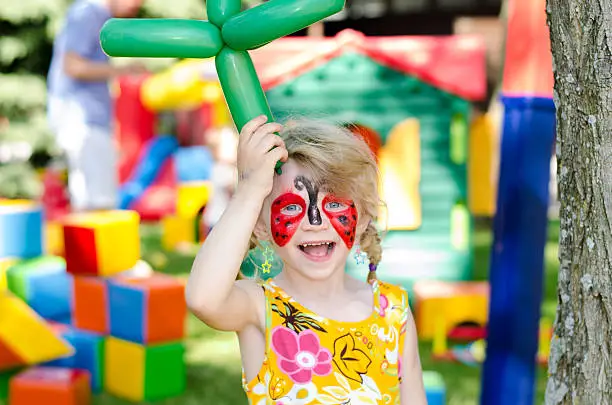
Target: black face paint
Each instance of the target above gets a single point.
(314, 216)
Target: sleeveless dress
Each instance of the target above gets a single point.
(313, 360)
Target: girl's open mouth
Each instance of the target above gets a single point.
(317, 251)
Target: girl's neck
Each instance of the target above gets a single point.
(304, 288)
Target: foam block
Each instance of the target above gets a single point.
(89, 354)
(25, 338)
(144, 373)
(21, 229)
(50, 385)
(44, 284)
(54, 238)
(147, 310)
(5, 378)
(4, 266)
(90, 304)
(459, 302)
(435, 390)
(192, 196)
(101, 243)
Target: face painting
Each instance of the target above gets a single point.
(286, 214)
(342, 215)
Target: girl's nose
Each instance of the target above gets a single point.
(314, 221)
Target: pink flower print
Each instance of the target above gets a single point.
(384, 304)
(299, 356)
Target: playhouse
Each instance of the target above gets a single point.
(413, 96)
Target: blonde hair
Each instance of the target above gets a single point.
(341, 162)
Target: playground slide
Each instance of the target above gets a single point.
(152, 163)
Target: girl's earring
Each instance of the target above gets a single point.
(360, 256)
(267, 264)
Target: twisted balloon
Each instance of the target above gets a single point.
(227, 36)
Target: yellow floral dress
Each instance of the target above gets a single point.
(313, 360)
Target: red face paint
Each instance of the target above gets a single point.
(285, 217)
(343, 218)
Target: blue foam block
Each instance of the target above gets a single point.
(21, 231)
(193, 164)
(44, 284)
(89, 355)
(126, 312)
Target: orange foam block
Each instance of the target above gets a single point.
(90, 304)
(101, 243)
(147, 310)
(50, 385)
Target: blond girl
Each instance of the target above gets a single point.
(312, 334)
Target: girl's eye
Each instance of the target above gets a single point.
(292, 209)
(335, 206)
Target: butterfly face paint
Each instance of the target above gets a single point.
(286, 214)
(343, 216)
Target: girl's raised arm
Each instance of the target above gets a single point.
(212, 293)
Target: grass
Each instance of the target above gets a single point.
(213, 359)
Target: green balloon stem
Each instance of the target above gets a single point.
(241, 87)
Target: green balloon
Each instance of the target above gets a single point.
(266, 22)
(160, 38)
(220, 10)
(241, 87)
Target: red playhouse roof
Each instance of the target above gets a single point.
(454, 63)
(528, 62)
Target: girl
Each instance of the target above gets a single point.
(312, 335)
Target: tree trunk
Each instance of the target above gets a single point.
(580, 365)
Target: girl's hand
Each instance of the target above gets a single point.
(259, 148)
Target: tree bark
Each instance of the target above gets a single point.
(580, 364)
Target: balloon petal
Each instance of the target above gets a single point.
(160, 38)
(268, 21)
(219, 11)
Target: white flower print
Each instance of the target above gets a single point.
(367, 394)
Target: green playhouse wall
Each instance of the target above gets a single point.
(353, 88)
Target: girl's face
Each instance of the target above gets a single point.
(313, 231)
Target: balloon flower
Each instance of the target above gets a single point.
(227, 36)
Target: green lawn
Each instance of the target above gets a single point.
(213, 360)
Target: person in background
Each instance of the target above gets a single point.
(80, 104)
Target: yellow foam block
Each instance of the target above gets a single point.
(456, 302)
(177, 230)
(112, 235)
(124, 369)
(54, 239)
(191, 197)
(5, 263)
(27, 335)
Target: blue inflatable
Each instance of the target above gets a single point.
(147, 169)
